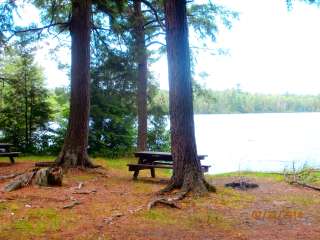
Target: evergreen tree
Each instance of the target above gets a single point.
(25, 109)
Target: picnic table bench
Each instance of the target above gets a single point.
(5, 151)
(152, 160)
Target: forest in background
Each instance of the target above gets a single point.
(235, 100)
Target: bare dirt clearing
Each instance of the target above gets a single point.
(115, 207)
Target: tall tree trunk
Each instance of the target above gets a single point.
(74, 150)
(141, 58)
(26, 108)
(187, 173)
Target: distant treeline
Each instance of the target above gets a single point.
(207, 101)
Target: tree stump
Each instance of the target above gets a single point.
(49, 177)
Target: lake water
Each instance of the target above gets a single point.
(258, 142)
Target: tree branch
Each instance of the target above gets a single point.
(155, 42)
(38, 29)
(155, 12)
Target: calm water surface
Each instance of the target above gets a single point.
(258, 142)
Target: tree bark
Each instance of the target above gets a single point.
(187, 173)
(26, 106)
(141, 58)
(74, 151)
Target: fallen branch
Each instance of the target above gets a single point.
(13, 175)
(71, 205)
(85, 192)
(109, 220)
(80, 185)
(306, 185)
(23, 180)
(132, 211)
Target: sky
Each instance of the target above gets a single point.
(271, 51)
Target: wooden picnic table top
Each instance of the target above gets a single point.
(158, 155)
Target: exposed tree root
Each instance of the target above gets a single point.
(170, 201)
(154, 202)
(209, 187)
(196, 185)
(169, 188)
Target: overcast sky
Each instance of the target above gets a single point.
(271, 51)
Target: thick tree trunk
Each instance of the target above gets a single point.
(187, 174)
(74, 150)
(141, 58)
(26, 109)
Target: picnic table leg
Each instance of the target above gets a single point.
(135, 174)
(12, 160)
(153, 174)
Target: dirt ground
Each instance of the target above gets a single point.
(115, 207)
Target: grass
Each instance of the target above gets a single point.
(208, 218)
(36, 158)
(272, 176)
(160, 216)
(185, 219)
(234, 199)
(9, 207)
(33, 222)
(300, 200)
(38, 221)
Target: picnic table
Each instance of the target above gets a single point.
(152, 160)
(5, 151)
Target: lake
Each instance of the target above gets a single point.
(258, 142)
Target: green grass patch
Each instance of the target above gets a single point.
(197, 218)
(226, 197)
(33, 223)
(208, 218)
(39, 221)
(116, 163)
(80, 177)
(160, 216)
(9, 206)
(273, 176)
(35, 158)
(301, 200)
